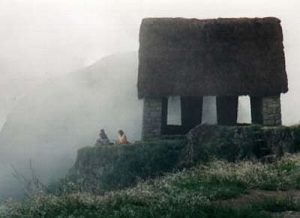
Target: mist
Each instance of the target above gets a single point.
(60, 84)
(62, 115)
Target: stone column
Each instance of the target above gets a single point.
(266, 110)
(191, 112)
(227, 107)
(154, 117)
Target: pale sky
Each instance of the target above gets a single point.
(45, 39)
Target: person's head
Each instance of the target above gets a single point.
(121, 132)
(102, 130)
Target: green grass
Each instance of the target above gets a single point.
(279, 204)
(213, 191)
(188, 193)
(124, 205)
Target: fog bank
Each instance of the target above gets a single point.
(62, 115)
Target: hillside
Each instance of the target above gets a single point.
(214, 189)
(177, 176)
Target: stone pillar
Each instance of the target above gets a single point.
(154, 117)
(191, 112)
(227, 107)
(266, 110)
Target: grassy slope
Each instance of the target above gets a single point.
(191, 193)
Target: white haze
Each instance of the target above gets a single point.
(63, 115)
(52, 112)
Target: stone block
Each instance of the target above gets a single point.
(266, 110)
(154, 117)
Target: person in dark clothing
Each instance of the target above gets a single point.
(103, 139)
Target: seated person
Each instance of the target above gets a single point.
(122, 139)
(103, 139)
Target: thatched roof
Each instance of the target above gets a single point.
(191, 57)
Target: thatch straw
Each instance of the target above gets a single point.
(190, 57)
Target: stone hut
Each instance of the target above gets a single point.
(225, 57)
